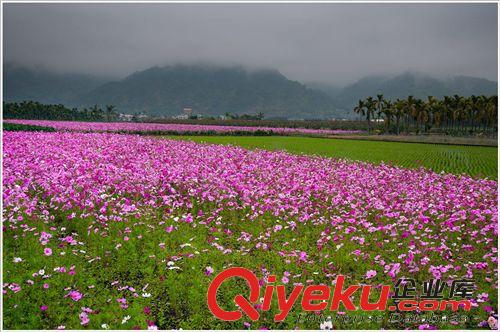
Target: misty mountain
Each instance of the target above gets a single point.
(210, 90)
(26, 83)
(330, 89)
(403, 85)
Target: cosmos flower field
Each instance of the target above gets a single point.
(118, 231)
(170, 128)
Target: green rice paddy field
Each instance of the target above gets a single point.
(477, 161)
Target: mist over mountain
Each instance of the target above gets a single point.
(214, 90)
(42, 85)
(408, 83)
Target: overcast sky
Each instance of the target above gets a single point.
(336, 43)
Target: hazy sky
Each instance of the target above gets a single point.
(336, 43)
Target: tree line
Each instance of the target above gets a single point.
(450, 115)
(37, 111)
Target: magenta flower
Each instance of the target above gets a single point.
(167, 127)
(209, 270)
(84, 318)
(75, 295)
(445, 225)
(47, 251)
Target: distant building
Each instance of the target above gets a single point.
(181, 117)
(187, 113)
(125, 117)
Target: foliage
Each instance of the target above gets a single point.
(455, 115)
(38, 111)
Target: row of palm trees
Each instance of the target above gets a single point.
(39, 111)
(452, 114)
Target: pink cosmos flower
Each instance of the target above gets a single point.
(493, 323)
(75, 295)
(209, 270)
(47, 251)
(370, 274)
(84, 318)
(43, 308)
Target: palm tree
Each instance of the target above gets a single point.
(399, 109)
(360, 108)
(409, 110)
(370, 108)
(388, 112)
(454, 114)
(379, 104)
(110, 112)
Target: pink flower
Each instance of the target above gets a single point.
(123, 303)
(84, 318)
(47, 251)
(169, 229)
(209, 270)
(370, 274)
(45, 286)
(493, 323)
(43, 308)
(426, 327)
(75, 295)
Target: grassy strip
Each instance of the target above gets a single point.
(22, 127)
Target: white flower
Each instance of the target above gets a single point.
(326, 325)
(152, 327)
(17, 259)
(146, 294)
(174, 268)
(41, 272)
(105, 326)
(125, 319)
(170, 263)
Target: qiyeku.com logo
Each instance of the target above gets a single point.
(321, 297)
